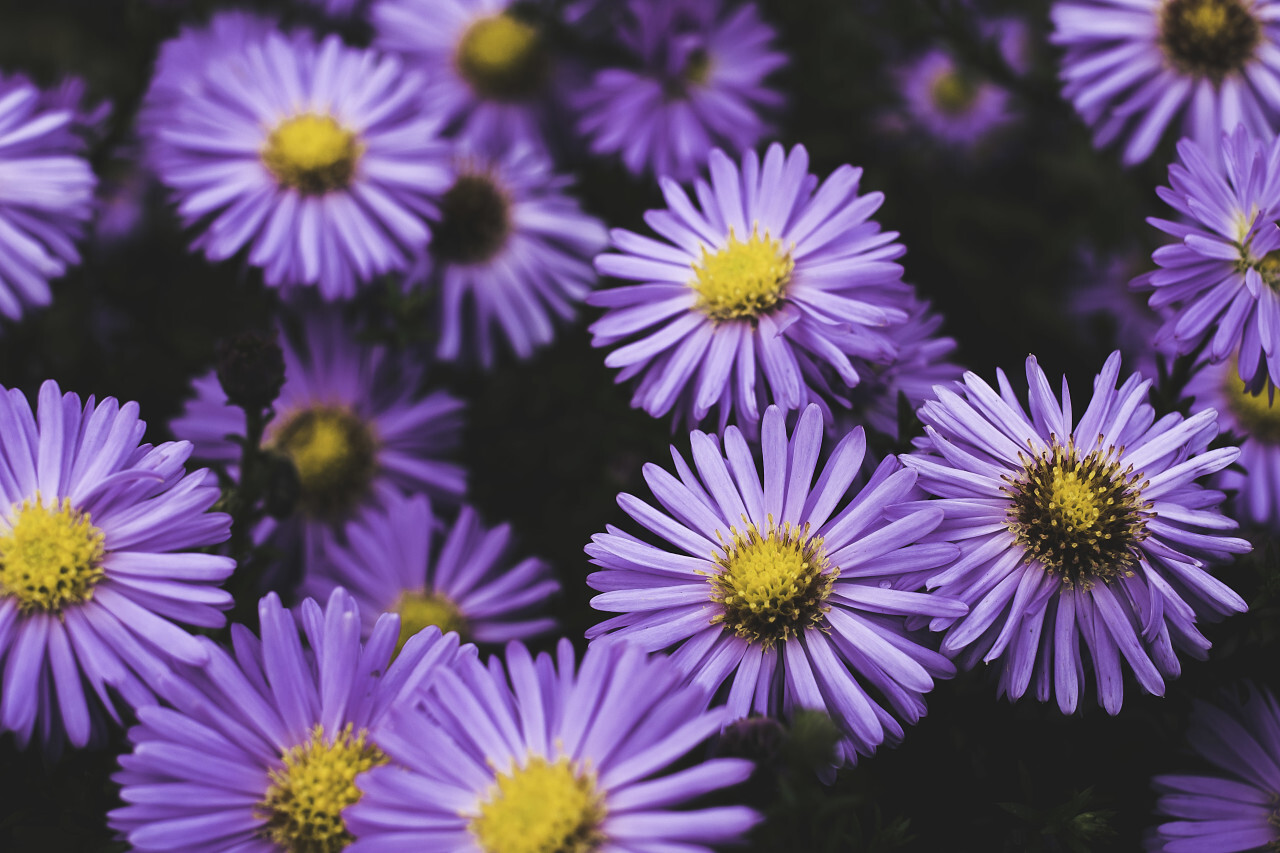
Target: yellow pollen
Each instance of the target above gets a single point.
(49, 557)
(303, 807)
(420, 610)
(742, 280)
(312, 154)
(1258, 414)
(502, 57)
(773, 586)
(543, 807)
(953, 93)
(1208, 38)
(333, 451)
(697, 68)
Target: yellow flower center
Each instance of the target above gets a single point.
(312, 154)
(1081, 518)
(502, 58)
(543, 807)
(1209, 38)
(953, 93)
(303, 807)
(420, 610)
(742, 280)
(475, 220)
(50, 557)
(333, 451)
(771, 587)
(1257, 413)
(697, 68)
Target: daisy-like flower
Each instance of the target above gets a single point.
(534, 756)
(512, 249)
(46, 193)
(1255, 418)
(777, 276)
(1132, 67)
(952, 103)
(774, 582)
(487, 69)
(1236, 808)
(465, 585)
(94, 570)
(320, 158)
(1217, 282)
(1109, 314)
(699, 82)
(258, 751)
(1090, 530)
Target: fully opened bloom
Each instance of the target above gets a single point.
(259, 750)
(1237, 807)
(94, 570)
(1088, 530)
(46, 193)
(511, 253)
(1133, 67)
(1217, 282)
(536, 757)
(320, 159)
(465, 584)
(698, 83)
(778, 278)
(780, 583)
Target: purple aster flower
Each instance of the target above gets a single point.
(535, 756)
(1235, 808)
(775, 583)
(1109, 314)
(511, 250)
(950, 102)
(777, 276)
(1217, 281)
(1090, 530)
(94, 574)
(1255, 419)
(46, 192)
(699, 83)
(465, 584)
(258, 751)
(1132, 67)
(487, 70)
(321, 159)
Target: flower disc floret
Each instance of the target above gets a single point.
(1208, 38)
(334, 451)
(420, 610)
(502, 57)
(312, 154)
(1257, 413)
(953, 92)
(49, 558)
(542, 807)
(742, 280)
(475, 220)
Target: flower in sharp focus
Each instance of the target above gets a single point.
(778, 278)
(259, 750)
(1090, 530)
(774, 582)
(1238, 806)
(699, 84)
(511, 249)
(1217, 282)
(321, 159)
(465, 583)
(46, 192)
(1132, 67)
(534, 757)
(94, 574)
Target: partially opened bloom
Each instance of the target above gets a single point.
(95, 573)
(1217, 281)
(320, 159)
(467, 583)
(46, 193)
(536, 756)
(780, 584)
(1090, 530)
(1133, 67)
(511, 254)
(258, 751)
(1237, 807)
(778, 278)
(698, 82)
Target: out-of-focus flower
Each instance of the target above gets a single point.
(94, 570)
(535, 756)
(778, 276)
(1091, 529)
(1111, 315)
